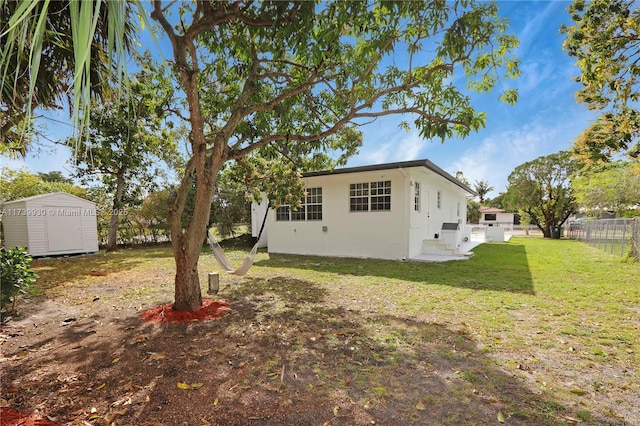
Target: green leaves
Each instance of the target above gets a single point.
(297, 84)
(598, 188)
(50, 46)
(17, 275)
(605, 41)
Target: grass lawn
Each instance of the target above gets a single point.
(533, 331)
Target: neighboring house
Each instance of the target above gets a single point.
(51, 224)
(384, 211)
(492, 216)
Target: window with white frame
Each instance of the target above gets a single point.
(381, 195)
(298, 213)
(370, 196)
(313, 203)
(416, 196)
(359, 197)
(282, 213)
(310, 207)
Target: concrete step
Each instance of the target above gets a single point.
(438, 247)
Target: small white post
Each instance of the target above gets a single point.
(214, 283)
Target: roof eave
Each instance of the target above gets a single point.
(396, 165)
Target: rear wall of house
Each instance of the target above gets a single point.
(345, 233)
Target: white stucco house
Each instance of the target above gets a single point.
(385, 211)
(51, 224)
(492, 216)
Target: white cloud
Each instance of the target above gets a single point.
(402, 146)
(537, 23)
(499, 154)
(534, 76)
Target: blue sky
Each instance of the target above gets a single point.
(545, 120)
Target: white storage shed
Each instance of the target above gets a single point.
(51, 224)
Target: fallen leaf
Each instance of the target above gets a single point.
(110, 418)
(500, 417)
(156, 356)
(196, 385)
(577, 391)
(420, 406)
(115, 360)
(101, 386)
(336, 410)
(182, 385)
(215, 402)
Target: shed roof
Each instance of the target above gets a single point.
(49, 195)
(484, 209)
(397, 165)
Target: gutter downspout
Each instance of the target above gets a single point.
(407, 219)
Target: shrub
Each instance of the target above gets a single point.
(16, 275)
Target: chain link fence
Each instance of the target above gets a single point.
(620, 237)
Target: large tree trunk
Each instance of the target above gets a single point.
(548, 224)
(187, 243)
(187, 293)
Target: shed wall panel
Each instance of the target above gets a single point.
(14, 223)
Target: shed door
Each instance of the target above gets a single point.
(64, 229)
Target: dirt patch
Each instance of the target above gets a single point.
(211, 309)
(281, 353)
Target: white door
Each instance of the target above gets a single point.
(425, 206)
(64, 229)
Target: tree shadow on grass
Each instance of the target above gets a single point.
(56, 271)
(285, 355)
(495, 267)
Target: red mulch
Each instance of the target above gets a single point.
(13, 418)
(210, 309)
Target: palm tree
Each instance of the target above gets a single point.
(50, 47)
(482, 188)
